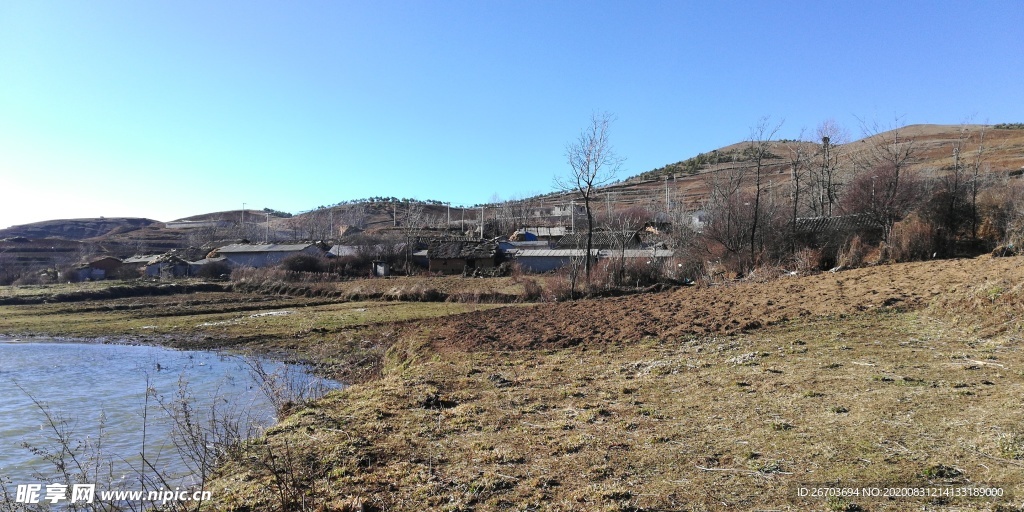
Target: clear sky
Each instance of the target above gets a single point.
(165, 109)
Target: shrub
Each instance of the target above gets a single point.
(126, 272)
(852, 254)
(912, 239)
(807, 259)
(214, 270)
(303, 263)
(33, 278)
(531, 290)
(560, 288)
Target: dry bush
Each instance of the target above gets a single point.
(280, 281)
(627, 272)
(560, 288)
(807, 260)
(416, 292)
(214, 270)
(518, 271)
(303, 263)
(258, 275)
(129, 272)
(1001, 214)
(642, 272)
(853, 253)
(34, 278)
(470, 297)
(532, 290)
(683, 270)
(765, 273)
(912, 239)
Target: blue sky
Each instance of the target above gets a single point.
(169, 109)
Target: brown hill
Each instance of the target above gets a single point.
(75, 229)
(687, 179)
(683, 184)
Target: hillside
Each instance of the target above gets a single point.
(687, 179)
(75, 229)
(683, 184)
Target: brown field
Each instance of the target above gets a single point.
(721, 397)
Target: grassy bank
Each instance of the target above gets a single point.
(346, 340)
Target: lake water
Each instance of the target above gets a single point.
(97, 395)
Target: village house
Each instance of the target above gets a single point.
(601, 240)
(544, 234)
(167, 266)
(96, 269)
(140, 262)
(264, 255)
(546, 260)
(454, 257)
(106, 264)
(833, 231)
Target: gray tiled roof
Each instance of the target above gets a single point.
(464, 250)
(242, 248)
(834, 224)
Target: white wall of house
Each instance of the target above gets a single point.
(258, 259)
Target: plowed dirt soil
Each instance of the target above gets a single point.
(729, 308)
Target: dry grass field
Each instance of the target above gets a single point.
(725, 397)
(719, 398)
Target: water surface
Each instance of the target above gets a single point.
(96, 396)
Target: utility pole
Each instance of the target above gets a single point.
(267, 238)
(449, 215)
(572, 215)
(481, 222)
(668, 204)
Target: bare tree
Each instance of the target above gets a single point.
(317, 224)
(728, 215)
(354, 215)
(948, 205)
(884, 188)
(623, 227)
(828, 169)
(976, 164)
(798, 162)
(593, 164)
(759, 145)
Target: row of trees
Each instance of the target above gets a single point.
(782, 198)
(876, 186)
